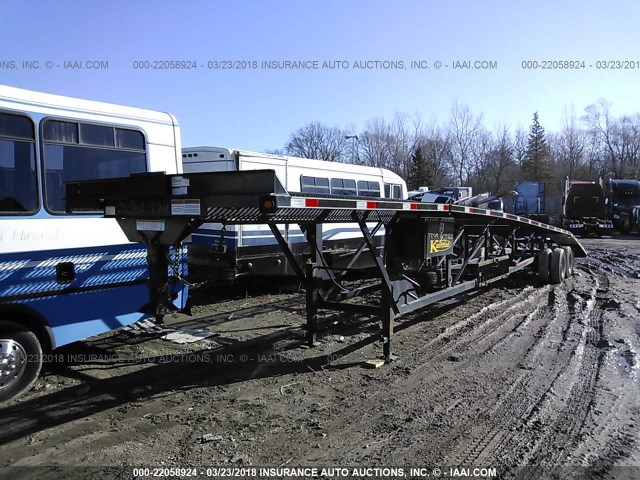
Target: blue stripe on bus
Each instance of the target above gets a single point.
(108, 291)
(32, 272)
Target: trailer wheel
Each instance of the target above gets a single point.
(558, 268)
(568, 253)
(544, 262)
(20, 359)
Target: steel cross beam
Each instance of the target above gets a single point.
(386, 281)
(476, 248)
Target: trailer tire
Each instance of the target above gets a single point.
(568, 253)
(20, 359)
(558, 268)
(544, 262)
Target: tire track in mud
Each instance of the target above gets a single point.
(498, 422)
(487, 323)
(479, 335)
(554, 425)
(490, 324)
(505, 437)
(619, 262)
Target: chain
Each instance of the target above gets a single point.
(221, 245)
(174, 263)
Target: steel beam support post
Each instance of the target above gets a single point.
(158, 265)
(313, 283)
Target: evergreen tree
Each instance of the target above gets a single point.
(536, 165)
(421, 170)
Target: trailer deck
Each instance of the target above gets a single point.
(431, 251)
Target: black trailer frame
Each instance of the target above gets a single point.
(432, 251)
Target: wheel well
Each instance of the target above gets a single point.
(33, 321)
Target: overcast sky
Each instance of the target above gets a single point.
(257, 108)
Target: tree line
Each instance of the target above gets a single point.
(462, 151)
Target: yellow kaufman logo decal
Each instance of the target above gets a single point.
(441, 245)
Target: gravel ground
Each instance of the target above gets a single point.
(533, 380)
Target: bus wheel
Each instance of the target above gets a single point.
(20, 359)
(568, 253)
(558, 269)
(544, 261)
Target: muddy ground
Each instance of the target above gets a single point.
(523, 374)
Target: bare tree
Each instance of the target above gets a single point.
(501, 164)
(569, 146)
(274, 151)
(317, 141)
(602, 125)
(520, 145)
(628, 138)
(401, 146)
(594, 154)
(479, 171)
(436, 146)
(373, 143)
(464, 129)
(461, 151)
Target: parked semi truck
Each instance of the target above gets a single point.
(623, 203)
(584, 209)
(529, 200)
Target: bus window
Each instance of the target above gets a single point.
(98, 135)
(314, 185)
(343, 186)
(75, 151)
(392, 190)
(368, 188)
(18, 184)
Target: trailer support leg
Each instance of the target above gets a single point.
(158, 263)
(313, 283)
(311, 304)
(388, 316)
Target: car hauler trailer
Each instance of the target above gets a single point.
(432, 251)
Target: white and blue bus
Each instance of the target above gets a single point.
(65, 277)
(223, 253)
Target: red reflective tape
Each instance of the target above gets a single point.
(312, 202)
(372, 204)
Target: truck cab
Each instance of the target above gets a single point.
(584, 209)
